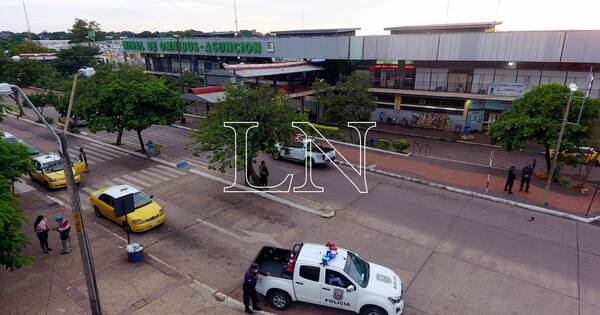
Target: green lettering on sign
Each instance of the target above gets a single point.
(133, 45)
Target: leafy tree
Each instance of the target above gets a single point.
(72, 59)
(15, 161)
(270, 110)
(349, 101)
(50, 99)
(28, 47)
(188, 80)
(124, 98)
(80, 29)
(29, 72)
(537, 117)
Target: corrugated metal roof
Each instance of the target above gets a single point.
(442, 26)
(275, 71)
(322, 30)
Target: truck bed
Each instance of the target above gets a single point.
(274, 261)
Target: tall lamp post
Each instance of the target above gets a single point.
(61, 139)
(572, 88)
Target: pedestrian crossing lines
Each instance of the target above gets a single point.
(96, 153)
(140, 180)
(158, 134)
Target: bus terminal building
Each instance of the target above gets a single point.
(439, 76)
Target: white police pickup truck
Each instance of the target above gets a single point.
(304, 149)
(325, 275)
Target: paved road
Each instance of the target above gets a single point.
(456, 255)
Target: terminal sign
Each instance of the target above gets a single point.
(230, 47)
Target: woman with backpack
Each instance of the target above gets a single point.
(41, 230)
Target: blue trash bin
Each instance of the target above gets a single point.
(135, 253)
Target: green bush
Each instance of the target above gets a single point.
(383, 144)
(327, 131)
(342, 137)
(400, 145)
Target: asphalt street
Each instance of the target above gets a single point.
(455, 254)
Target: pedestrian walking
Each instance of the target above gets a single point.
(64, 228)
(264, 174)
(41, 230)
(249, 288)
(83, 157)
(526, 174)
(510, 180)
(381, 117)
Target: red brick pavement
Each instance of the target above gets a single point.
(474, 178)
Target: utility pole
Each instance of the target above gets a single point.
(27, 20)
(235, 13)
(573, 88)
(587, 92)
(84, 245)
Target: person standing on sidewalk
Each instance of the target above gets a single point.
(64, 228)
(249, 288)
(41, 230)
(264, 174)
(526, 174)
(510, 180)
(83, 157)
(149, 148)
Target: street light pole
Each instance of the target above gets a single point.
(573, 88)
(84, 245)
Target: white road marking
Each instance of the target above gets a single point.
(249, 237)
(60, 202)
(87, 190)
(155, 175)
(106, 148)
(136, 180)
(170, 169)
(164, 173)
(124, 182)
(145, 178)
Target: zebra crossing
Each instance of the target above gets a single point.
(158, 134)
(141, 179)
(96, 153)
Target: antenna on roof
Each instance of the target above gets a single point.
(27, 20)
(235, 13)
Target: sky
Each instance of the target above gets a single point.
(372, 16)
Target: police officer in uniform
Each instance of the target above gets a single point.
(249, 287)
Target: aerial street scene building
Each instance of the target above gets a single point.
(300, 157)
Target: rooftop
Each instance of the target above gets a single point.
(447, 26)
(120, 191)
(49, 157)
(328, 31)
(313, 253)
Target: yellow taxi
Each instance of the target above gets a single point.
(147, 213)
(49, 170)
(583, 155)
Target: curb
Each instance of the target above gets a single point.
(219, 296)
(263, 194)
(482, 196)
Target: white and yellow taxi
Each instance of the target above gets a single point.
(49, 170)
(147, 213)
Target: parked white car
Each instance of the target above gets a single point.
(346, 281)
(305, 149)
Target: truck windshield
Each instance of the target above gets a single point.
(357, 269)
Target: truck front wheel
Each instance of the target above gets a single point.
(279, 300)
(372, 310)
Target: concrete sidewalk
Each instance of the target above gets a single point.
(474, 178)
(54, 283)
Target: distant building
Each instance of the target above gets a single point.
(56, 44)
(437, 76)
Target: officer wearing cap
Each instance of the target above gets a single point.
(249, 288)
